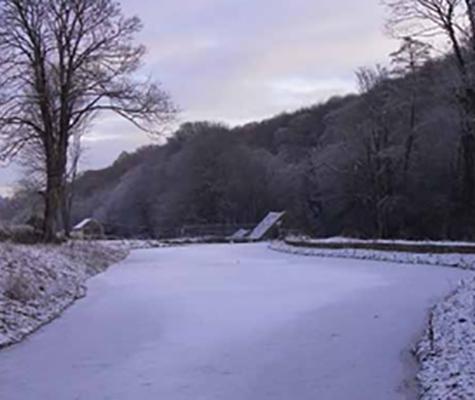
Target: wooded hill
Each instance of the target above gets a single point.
(384, 163)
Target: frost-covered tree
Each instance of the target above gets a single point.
(408, 62)
(453, 22)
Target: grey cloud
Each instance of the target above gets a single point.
(239, 60)
(211, 54)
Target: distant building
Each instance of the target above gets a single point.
(269, 227)
(89, 228)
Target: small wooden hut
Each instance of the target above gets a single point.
(89, 228)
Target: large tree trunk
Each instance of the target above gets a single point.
(52, 205)
(54, 198)
(67, 201)
(66, 213)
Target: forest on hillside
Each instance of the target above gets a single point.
(388, 163)
(384, 163)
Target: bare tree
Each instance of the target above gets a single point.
(453, 20)
(63, 61)
(408, 62)
(379, 151)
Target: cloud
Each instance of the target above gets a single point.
(299, 86)
(241, 60)
(108, 138)
(223, 59)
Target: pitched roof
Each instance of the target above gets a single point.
(83, 223)
(266, 225)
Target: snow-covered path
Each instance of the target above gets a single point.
(224, 322)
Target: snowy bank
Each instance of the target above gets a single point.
(37, 282)
(456, 260)
(138, 244)
(446, 352)
(132, 244)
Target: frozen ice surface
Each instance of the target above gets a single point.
(231, 322)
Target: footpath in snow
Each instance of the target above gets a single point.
(232, 322)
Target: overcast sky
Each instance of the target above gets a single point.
(241, 60)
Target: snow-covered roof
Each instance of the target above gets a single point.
(83, 224)
(266, 225)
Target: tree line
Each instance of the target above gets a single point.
(384, 163)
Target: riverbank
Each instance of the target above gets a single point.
(38, 282)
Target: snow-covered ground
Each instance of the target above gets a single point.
(447, 350)
(132, 244)
(38, 282)
(342, 239)
(461, 261)
(232, 322)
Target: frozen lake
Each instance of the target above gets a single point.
(223, 322)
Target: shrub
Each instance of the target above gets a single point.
(23, 234)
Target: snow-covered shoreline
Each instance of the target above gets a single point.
(346, 240)
(38, 282)
(464, 261)
(446, 351)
